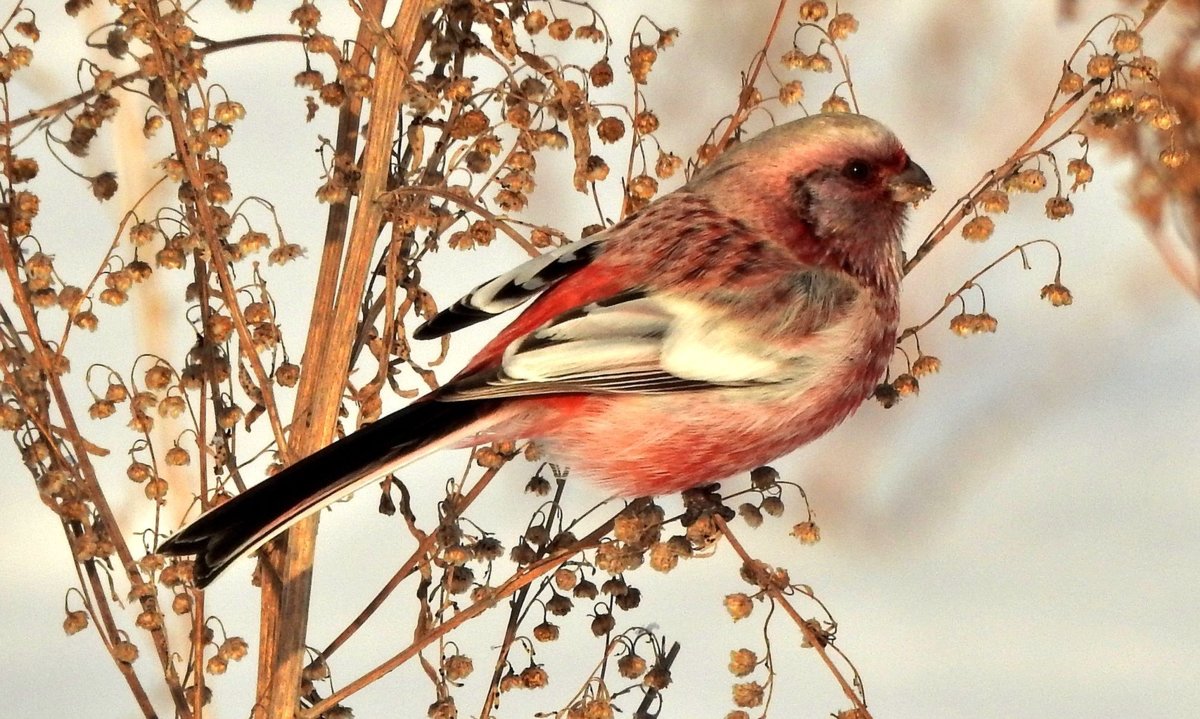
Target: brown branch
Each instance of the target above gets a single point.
(740, 114)
(43, 356)
(410, 565)
(519, 580)
(55, 109)
(287, 581)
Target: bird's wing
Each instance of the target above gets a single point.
(671, 302)
(511, 289)
(645, 342)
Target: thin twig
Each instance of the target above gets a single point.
(810, 636)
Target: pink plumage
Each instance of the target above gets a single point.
(722, 326)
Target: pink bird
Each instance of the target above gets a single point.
(723, 325)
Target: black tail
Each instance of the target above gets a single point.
(220, 536)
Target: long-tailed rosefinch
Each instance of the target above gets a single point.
(723, 325)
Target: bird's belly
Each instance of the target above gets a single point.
(665, 443)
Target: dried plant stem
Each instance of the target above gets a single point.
(963, 207)
(514, 584)
(411, 565)
(516, 605)
(970, 282)
(53, 110)
(110, 630)
(84, 470)
(287, 579)
(809, 635)
(743, 108)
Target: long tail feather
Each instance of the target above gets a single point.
(245, 522)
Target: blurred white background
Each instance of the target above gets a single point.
(1019, 541)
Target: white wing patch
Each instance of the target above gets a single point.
(636, 343)
(707, 346)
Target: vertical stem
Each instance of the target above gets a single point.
(287, 570)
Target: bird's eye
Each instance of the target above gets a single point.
(857, 170)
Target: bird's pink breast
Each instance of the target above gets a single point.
(656, 444)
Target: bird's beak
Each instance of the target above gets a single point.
(911, 185)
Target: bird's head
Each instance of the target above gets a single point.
(835, 187)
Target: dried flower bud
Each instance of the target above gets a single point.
(75, 622)
(178, 457)
(1164, 119)
(906, 385)
(559, 29)
(842, 26)
(1101, 66)
(748, 694)
(1082, 171)
(610, 129)
(104, 185)
(1119, 100)
(1143, 68)
(534, 677)
(156, 489)
(791, 93)
(601, 74)
(886, 395)
(984, 322)
(1058, 207)
(961, 324)
(926, 365)
(794, 59)
(645, 122)
(589, 32)
(835, 103)
(22, 169)
(742, 662)
(659, 677)
(559, 605)
(631, 599)
(819, 62)
(602, 624)
(751, 515)
(773, 506)
(29, 29)
(234, 648)
(1127, 41)
(631, 666)
(643, 187)
(535, 21)
(809, 532)
(457, 667)
(585, 590)
(181, 604)
(1173, 158)
(546, 632)
(1057, 294)
(565, 579)
(641, 61)
(125, 652)
(813, 10)
(739, 605)
(284, 253)
(1071, 82)
(1027, 180)
(667, 165)
(978, 228)
(663, 557)
(306, 16)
